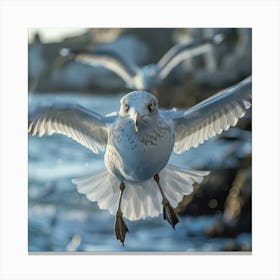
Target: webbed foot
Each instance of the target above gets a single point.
(120, 227)
(169, 213)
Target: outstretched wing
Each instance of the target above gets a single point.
(211, 116)
(84, 126)
(111, 60)
(180, 52)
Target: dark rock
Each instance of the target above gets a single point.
(226, 193)
(237, 215)
(209, 197)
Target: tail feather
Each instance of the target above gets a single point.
(90, 185)
(139, 200)
(103, 188)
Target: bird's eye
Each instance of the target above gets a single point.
(125, 107)
(151, 106)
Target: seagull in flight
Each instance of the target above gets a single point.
(147, 77)
(138, 141)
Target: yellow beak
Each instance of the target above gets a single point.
(137, 119)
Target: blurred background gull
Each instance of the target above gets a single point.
(147, 77)
(216, 217)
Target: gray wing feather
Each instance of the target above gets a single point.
(76, 122)
(211, 116)
(181, 52)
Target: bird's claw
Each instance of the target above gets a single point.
(169, 213)
(120, 227)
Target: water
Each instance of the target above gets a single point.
(61, 219)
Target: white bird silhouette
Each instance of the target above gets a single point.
(138, 142)
(147, 77)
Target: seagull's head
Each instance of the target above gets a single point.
(141, 107)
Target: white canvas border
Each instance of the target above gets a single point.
(17, 16)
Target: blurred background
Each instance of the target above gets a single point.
(216, 217)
